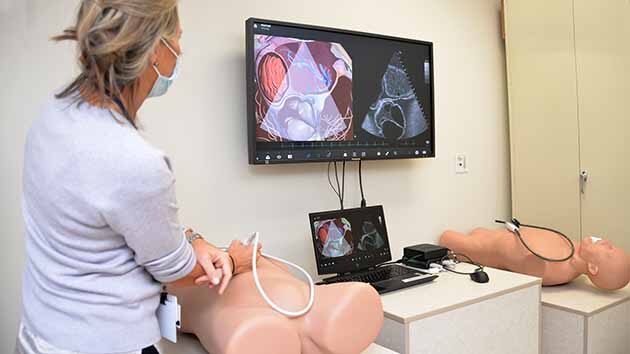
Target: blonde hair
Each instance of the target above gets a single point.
(115, 40)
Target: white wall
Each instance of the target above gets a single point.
(201, 125)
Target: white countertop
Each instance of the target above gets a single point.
(451, 291)
(582, 297)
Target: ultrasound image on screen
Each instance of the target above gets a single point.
(396, 114)
(334, 237)
(304, 90)
(371, 239)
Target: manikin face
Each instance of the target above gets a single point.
(608, 266)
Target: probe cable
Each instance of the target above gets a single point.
(515, 225)
(254, 239)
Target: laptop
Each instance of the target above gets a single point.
(353, 244)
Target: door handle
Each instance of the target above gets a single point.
(583, 180)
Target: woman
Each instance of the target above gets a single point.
(102, 232)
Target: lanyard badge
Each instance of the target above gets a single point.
(169, 317)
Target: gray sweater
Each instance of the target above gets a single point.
(102, 231)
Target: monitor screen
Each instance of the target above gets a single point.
(322, 94)
(349, 240)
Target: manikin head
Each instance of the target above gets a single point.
(607, 266)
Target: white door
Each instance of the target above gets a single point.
(602, 42)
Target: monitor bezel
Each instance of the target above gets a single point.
(358, 266)
(250, 88)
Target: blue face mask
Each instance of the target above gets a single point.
(161, 85)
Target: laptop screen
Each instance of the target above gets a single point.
(349, 240)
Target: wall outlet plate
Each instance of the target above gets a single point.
(461, 163)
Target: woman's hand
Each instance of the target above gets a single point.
(242, 256)
(216, 264)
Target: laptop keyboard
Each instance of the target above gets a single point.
(373, 276)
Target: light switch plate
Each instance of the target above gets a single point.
(461, 163)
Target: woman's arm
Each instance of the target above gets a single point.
(213, 267)
(239, 257)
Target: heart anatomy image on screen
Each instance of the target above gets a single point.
(334, 237)
(304, 90)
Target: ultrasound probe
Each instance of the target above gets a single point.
(255, 237)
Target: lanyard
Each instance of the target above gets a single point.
(120, 105)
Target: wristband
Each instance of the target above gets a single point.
(233, 264)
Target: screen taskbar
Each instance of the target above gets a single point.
(265, 157)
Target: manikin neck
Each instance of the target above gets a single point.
(577, 263)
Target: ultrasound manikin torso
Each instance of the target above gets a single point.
(345, 317)
(607, 266)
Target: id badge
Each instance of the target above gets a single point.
(169, 317)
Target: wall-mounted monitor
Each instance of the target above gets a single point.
(321, 94)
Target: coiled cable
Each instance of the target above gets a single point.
(514, 226)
